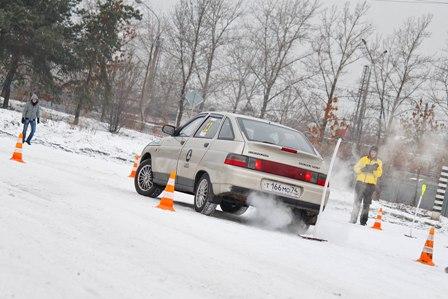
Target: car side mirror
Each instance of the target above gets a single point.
(168, 129)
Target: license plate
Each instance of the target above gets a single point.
(281, 188)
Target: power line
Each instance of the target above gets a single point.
(414, 1)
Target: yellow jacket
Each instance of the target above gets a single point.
(368, 177)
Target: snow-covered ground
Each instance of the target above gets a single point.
(72, 226)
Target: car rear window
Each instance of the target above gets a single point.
(269, 133)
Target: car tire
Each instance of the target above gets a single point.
(308, 217)
(143, 180)
(203, 196)
(303, 219)
(233, 208)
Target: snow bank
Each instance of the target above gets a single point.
(90, 137)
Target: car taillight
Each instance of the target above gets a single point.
(236, 160)
(276, 168)
(308, 176)
(321, 180)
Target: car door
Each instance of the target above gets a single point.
(166, 156)
(194, 150)
(227, 141)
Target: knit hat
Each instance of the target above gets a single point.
(374, 149)
(34, 98)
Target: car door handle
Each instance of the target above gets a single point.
(206, 144)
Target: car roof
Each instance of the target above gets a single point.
(235, 115)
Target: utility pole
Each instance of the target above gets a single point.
(372, 63)
(361, 106)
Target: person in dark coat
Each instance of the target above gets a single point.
(30, 115)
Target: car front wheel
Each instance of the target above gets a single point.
(143, 181)
(203, 196)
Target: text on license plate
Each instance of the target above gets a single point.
(281, 188)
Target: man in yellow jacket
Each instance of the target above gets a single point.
(368, 169)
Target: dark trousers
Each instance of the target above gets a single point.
(363, 195)
(32, 123)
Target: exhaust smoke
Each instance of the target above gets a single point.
(269, 213)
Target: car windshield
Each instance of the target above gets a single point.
(269, 133)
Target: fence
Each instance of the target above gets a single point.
(403, 187)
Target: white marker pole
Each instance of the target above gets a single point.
(330, 170)
(417, 208)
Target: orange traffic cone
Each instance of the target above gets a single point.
(17, 155)
(135, 166)
(426, 256)
(379, 216)
(166, 203)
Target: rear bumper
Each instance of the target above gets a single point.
(240, 195)
(237, 184)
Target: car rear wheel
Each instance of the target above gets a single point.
(303, 219)
(233, 208)
(203, 195)
(143, 181)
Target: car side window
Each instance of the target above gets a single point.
(189, 129)
(226, 132)
(209, 128)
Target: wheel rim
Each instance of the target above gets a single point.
(145, 178)
(201, 193)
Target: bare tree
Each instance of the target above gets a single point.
(287, 103)
(438, 91)
(239, 82)
(124, 76)
(151, 42)
(337, 46)
(409, 69)
(310, 109)
(279, 28)
(164, 104)
(382, 70)
(218, 20)
(185, 33)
